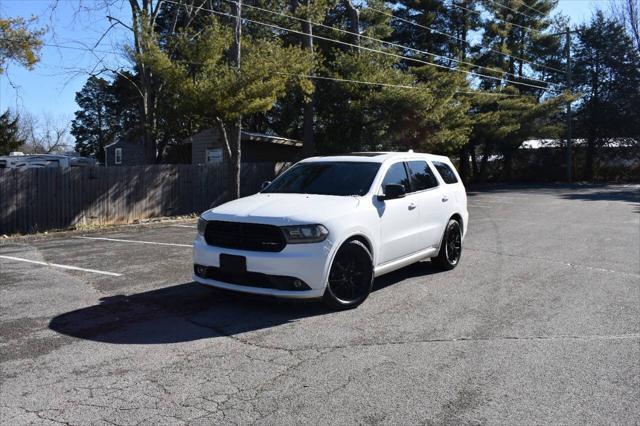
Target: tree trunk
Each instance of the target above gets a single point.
(235, 160)
(474, 162)
(354, 21)
(463, 168)
(308, 116)
(588, 161)
(482, 176)
(508, 163)
(235, 143)
(309, 143)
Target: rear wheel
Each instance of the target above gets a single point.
(450, 248)
(350, 278)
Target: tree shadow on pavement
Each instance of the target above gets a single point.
(630, 195)
(190, 311)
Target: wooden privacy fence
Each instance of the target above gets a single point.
(36, 200)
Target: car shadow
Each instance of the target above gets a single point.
(190, 311)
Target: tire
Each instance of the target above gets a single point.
(350, 277)
(450, 248)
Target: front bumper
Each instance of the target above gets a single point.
(307, 262)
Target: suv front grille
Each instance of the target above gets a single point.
(244, 236)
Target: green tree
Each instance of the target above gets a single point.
(502, 123)
(519, 32)
(107, 112)
(424, 113)
(607, 74)
(95, 124)
(10, 139)
(436, 26)
(206, 89)
(18, 43)
(380, 101)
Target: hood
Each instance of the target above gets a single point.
(283, 209)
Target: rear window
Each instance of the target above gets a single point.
(445, 171)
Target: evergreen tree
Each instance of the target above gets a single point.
(10, 139)
(107, 111)
(607, 74)
(518, 33)
(18, 43)
(206, 88)
(502, 123)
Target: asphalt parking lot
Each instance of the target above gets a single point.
(540, 323)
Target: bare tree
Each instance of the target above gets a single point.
(44, 135)
(142, 26)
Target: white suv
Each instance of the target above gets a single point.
(328, 225)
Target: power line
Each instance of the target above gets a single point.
(524, 27)
(374, 50)
(425, 27)
(510, 9)
(424, 52)
(530, 7)
(315, 77)
(60, 46)
(399, 86)
(86, 49)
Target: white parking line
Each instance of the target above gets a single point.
(184, 226)
(55, 265)
(118, 240)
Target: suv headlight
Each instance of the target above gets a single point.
(202, 225)
(299, 234)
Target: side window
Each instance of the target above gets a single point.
(448, 175)
(421, 175)
(397, 174)
(118, 159)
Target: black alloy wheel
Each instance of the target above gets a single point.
(450, 248)
(351, 276)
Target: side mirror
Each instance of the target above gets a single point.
(265, 184)
(393, 191)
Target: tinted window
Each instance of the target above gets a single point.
(326, 178)
(421, 175)
(448, 175)
(397, 174)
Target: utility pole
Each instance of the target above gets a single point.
(308, 112)
(569, 121)
(236, 136)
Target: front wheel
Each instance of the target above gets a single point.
(350, 278)
(450, 248)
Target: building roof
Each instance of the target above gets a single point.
(559, 143)
(261, 137)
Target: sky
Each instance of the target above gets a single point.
(49, 89)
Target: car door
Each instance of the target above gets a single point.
(433, 203)
(399, 218)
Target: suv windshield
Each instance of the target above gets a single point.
(326, 178)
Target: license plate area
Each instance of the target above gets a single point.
(233, 265)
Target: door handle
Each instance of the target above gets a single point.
(412, 206)
(445, 198)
